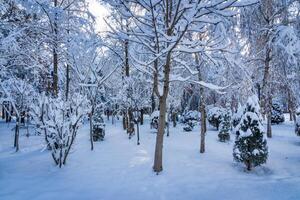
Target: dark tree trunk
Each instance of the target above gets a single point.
(138, 133)
(269, 119)
(3, 112)
(67, 81)
(152, 103)
(142, 117)
(174, 119)
(55, 55)
(91, 130)
(158, 166)
(16, 142)
(248, 165)
(124, 120)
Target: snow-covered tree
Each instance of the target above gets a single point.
(59, 121)
(225, 126)
(98, 127)
(166, 33)
(277, 113)
(236, 117)
(214, 116)
(272, 48)
(250, 145)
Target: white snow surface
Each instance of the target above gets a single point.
(119, 169)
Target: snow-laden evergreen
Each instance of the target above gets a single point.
(225, 126)
(250, 146)
(98, 125)
(277, 113)
(236, 117)
(214, 116)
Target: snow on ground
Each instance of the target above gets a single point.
(119, 169)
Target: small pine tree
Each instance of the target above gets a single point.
(277, 114)
(214, 116)
(236, 118)
(225, 127)
(98, 125)
(250, 146)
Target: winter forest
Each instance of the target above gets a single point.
(150, 99)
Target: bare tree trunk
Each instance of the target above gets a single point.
(248, 165)
(67, 81)
(16, 142)
(91, 131)
(267, 99)
(152, 102)
(3, 112)
(142, 117)
(174, 116)
(291, 106)
(124, 120)
(203, 122)
(158, 167)
(138, 133)
(55, 55)
(126, 59)
(269, 118)
(202, 107)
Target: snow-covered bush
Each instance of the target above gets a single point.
(191, 115)
(190, 119)
(225, 126)
(59, 121)
(98, 125)
(189, 125)
(214, 116)
(277, 114)
(250, 146)
(297, 125)
(236, 117)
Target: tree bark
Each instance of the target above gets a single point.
(248, 165)
(267, 99)
(138, 133)
(16, 142)
(269, 118)
(55, 55)
(142, 117)
(91, 131)
(3, 112)
(202, 108)
(67, 81)
(203, 122)
(158, 166)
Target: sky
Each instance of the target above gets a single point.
(100, 12)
